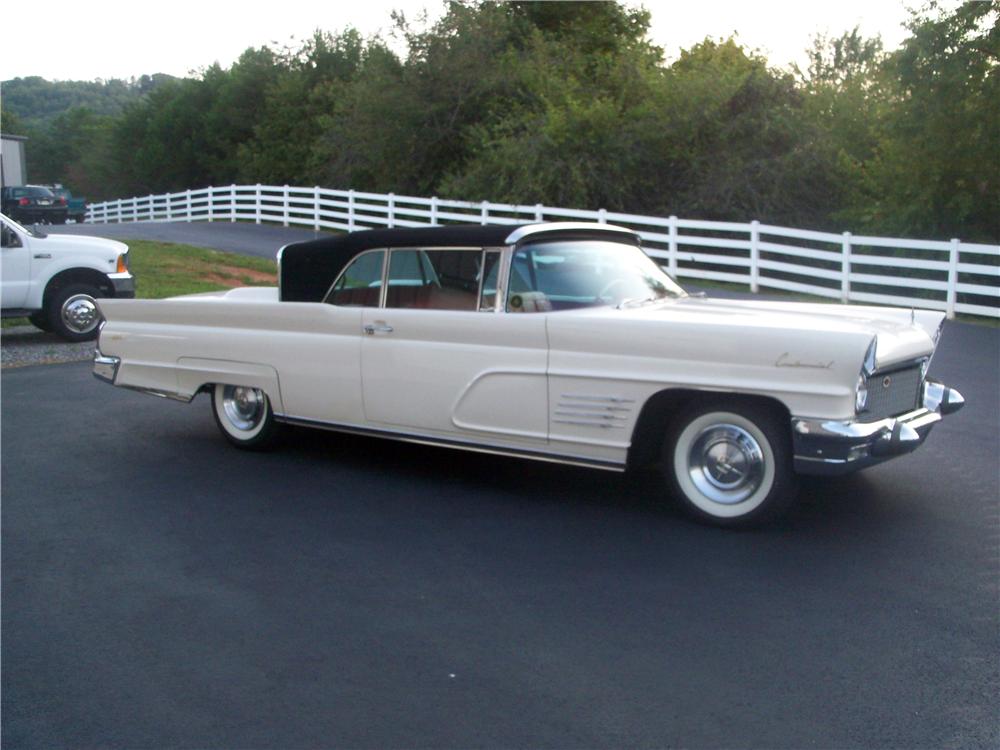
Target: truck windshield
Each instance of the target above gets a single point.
(34, 232)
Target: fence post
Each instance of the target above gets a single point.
(602, 216)
(118, 211)
(484, 213)
(672, 246)
(539, 212)
(350, 210)
(170, 207)
(258, 206)
(210, 202)
(187, 199)
(284, 206)
(232, 204)
(754, 256)
(952, 278)
(434, 210)
(152, 211)
(845, 268)
(315, 208)
(391, 210)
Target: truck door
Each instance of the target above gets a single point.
(15, 266)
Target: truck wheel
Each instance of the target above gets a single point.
(730, 465)
(73, 313)
(244, 416)
(40, 320)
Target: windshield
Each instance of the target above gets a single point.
(32, 191)
(589, 273)
(30, 232)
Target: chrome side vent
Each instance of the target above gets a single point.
(604, 412)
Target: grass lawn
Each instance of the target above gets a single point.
(165, 269)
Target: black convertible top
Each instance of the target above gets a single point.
(307, 269)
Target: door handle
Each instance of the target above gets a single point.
(371, 330)
(42, 256)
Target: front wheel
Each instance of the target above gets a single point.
(730, 466)
(72, 312)
(244, 416)
(40, 320)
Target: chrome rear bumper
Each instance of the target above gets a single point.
(106, 368)
(833, 447)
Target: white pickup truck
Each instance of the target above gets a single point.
(53, 280)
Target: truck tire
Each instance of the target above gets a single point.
(40, 319)
(730, 464)
(73, 313)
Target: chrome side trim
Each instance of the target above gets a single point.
(532, 230)
(172, 395)
(451, 443)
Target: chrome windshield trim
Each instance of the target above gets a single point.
(532, 230)
(452, 443)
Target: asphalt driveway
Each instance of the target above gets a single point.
(162, 589)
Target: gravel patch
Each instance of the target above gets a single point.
(21, 346)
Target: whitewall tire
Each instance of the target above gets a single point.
(730, 465)
(244, 416)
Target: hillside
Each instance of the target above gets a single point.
(36, 102)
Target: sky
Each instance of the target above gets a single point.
(113, 39)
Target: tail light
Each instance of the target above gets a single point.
(62, 201)
(24, 202)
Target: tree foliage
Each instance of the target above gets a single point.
(566, 104)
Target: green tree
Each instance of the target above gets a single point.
(936, 171)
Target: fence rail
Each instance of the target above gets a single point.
(953, 276)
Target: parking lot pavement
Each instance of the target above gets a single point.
(162, 589)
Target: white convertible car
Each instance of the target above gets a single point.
(560, 342)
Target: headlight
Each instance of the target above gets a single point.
(861, 394)
(869, 364)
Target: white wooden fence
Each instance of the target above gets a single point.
(954, 276)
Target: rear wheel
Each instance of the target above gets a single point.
(730, 465)
(244, 416)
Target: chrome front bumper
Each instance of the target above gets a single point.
(123, 284)
(106, 368)
(832, 447)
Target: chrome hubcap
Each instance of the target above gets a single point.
(244, 406)
(726, 464)
(79, 313)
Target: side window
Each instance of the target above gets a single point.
(490, 274)
(360, 284)
(434, 279)
(8, 237)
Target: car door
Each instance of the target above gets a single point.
(15, 266)
(440, 358)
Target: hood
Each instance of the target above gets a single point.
(903, 333)
(69, 243)
(797, 331)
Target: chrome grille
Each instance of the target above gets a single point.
(892, 393)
